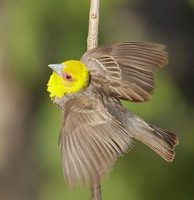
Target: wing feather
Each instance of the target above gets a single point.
(91, 140)
(126, 70)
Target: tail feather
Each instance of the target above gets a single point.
(164, 143)
(161, 141)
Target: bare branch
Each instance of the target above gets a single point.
(92, 40)
(96, 192)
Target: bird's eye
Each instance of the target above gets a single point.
(67, 77)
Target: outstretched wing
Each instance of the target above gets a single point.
(91, 140)
(126, 70)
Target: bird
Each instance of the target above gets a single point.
(96, 129)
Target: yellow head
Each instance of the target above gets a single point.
(67, 78)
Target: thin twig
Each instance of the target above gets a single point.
(92, 42)
(96, 192)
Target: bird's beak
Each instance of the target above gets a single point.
(57, 68)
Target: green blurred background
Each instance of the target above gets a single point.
(35, 33)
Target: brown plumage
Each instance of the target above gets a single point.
(96, 129)
(126, 70)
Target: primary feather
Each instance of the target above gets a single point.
(126, 70)
(91, 139)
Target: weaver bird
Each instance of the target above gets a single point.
(96, 128)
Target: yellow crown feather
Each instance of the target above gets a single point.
(58, 87)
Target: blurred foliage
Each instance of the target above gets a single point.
(191, 2)
(40, 32)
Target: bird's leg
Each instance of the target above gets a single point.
(96, 192)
